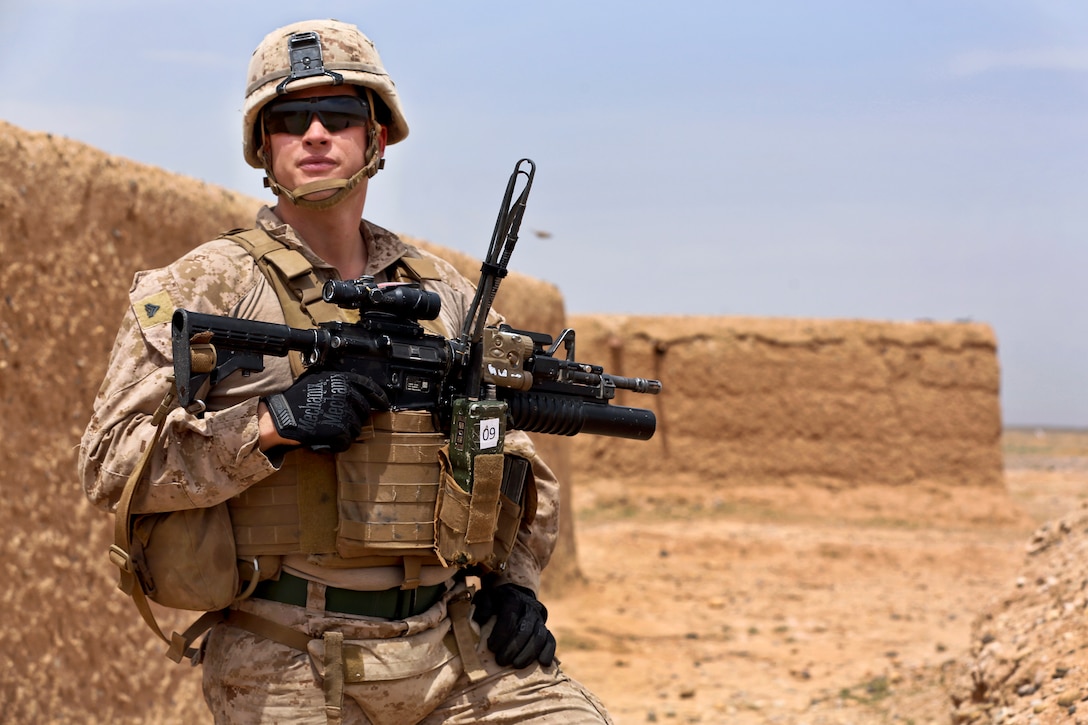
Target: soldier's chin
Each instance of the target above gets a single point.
(319, 195)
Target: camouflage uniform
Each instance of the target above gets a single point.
(205, 461)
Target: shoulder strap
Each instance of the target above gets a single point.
(291, 275)
(298, 287)
(294, 280)
(129, 580)
(120, 553)
(416, 269)
(419, 269)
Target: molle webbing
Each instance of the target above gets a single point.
(292, 511)
(362, 507)
(389, 487)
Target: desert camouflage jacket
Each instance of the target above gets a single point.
(203, 461)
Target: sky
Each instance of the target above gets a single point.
(860, 159)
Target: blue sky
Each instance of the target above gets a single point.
(827, 159)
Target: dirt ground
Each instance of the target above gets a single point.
(799, 606)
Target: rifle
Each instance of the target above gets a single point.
(477, 385)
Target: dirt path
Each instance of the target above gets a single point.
(826, 607)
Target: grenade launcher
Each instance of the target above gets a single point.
(520, 374)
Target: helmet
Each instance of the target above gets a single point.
(317, 53)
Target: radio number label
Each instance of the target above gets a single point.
(489, 433)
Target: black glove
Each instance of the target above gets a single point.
(325, 410)
(519, 636)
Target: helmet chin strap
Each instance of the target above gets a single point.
(340, 187)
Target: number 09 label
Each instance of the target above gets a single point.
(489, 433)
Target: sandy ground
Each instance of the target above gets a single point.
(797, 606)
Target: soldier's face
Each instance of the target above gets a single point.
(311, 151)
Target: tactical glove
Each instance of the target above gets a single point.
(325, 410)
(519, 636)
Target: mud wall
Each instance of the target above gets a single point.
(75, 224)
(786, 401)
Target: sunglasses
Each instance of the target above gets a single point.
(335, 113)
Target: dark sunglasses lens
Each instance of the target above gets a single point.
(335, 113)
(292, 122)
(338, 121)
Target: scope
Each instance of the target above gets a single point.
(403, 299)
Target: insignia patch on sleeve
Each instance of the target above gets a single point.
(153, 310)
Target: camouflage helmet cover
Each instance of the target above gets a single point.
(346, 54)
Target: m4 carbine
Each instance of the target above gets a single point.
(515, 372)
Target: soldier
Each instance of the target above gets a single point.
(342, 614)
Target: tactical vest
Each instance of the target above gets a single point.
(376, 503)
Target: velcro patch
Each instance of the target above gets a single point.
(153, 310)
